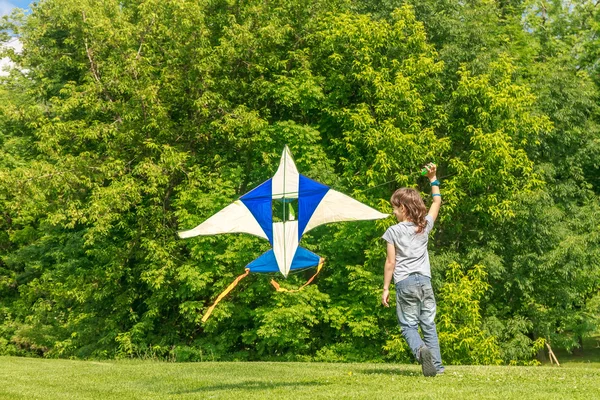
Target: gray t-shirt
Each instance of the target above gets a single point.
(411, 248)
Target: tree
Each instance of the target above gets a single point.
(131, 120)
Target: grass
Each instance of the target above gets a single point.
(27, 378)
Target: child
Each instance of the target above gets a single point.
(408, 262)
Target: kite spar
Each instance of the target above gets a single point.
(281, 210)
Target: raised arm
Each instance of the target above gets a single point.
(435, 190)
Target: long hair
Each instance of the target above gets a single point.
(415, 210)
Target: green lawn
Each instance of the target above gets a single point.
(27, 378)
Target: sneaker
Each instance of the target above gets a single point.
(426, 361)
(441, 371)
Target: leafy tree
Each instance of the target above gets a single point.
(131, 120)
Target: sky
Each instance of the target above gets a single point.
(7, 5)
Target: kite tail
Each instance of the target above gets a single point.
(280, 289)
(225, 293)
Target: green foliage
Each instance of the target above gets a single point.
(462, 337)
(516, 348)
(131, 120)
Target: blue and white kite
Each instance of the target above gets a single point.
(281, 210)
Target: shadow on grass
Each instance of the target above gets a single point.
(389, 371)
(249, 385)
(590, 353)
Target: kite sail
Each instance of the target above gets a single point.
(281, 210)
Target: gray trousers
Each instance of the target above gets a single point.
(415, 306)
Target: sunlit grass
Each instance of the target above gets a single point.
(26, 378)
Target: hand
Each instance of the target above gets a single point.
(385, 297)
(431, 171)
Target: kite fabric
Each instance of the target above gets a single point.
(281, 210)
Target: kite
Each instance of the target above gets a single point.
(281, 210)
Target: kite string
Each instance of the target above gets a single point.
(393, 180)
